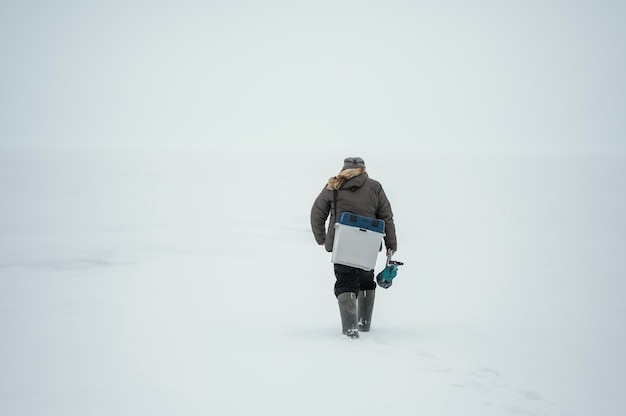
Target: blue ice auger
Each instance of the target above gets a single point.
(385, 278)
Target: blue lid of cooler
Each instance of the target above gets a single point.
(354, 220)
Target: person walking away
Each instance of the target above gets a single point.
(352, 190)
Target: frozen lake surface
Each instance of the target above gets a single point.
(188, 282)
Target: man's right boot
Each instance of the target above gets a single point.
(348, 311)
(366, 306)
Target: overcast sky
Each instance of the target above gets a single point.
(452, 74)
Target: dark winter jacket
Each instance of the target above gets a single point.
(356, 193)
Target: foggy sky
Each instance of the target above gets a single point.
(452, 74)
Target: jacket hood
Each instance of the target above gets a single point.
(336, 182)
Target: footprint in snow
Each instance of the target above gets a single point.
(485, 372)
(530, 395)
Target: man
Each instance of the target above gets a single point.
(352, 190)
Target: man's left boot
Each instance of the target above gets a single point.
(348, 311)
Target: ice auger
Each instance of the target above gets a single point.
(385, 278)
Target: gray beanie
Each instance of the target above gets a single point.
(353, 163)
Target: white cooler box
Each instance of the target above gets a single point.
(357, 241)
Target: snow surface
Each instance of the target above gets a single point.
(188, 282)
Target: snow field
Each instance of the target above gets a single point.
(189, 282)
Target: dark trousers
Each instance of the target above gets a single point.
(352, 279)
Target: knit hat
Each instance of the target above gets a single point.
(353, 163)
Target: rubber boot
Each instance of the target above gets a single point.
(348, 312)
(366, 306)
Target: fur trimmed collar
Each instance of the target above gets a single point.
(335, 182)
